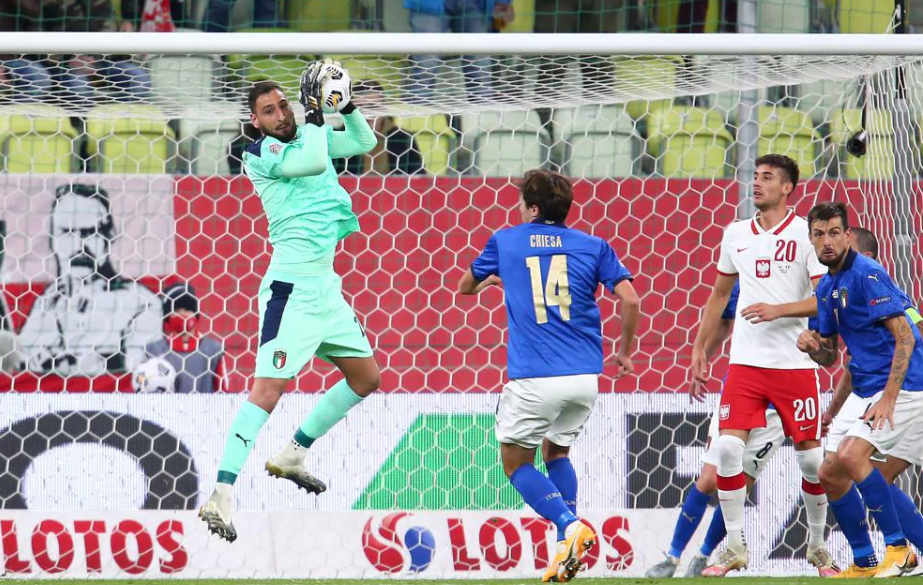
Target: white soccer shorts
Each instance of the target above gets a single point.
(531, 409)
(761, 445)
(852, 409)
(905, 439)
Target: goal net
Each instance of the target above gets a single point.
(123, 202)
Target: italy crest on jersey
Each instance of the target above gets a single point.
(844, 297)
(763, 268)
(278, 359)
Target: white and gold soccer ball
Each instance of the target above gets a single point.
(155, 376)
(336, 91)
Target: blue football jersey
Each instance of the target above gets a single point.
(550, 276)
(854, 303)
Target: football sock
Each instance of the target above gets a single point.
(877, 496)
(850, 515)
(815, 505)
(246, 426)
(815, 500)
(542, 495)
(715, 534)
(330, 409)
(909, 516)
(694, 506)
(732, 487)
(562, 475)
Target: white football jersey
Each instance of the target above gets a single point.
(773, 267)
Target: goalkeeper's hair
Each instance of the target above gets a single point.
(780, 161)
(551, 192)
(261, 88)
(866, 241)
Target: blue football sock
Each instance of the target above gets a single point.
(541, 494)
(878, 500)
(561, 473)
(909, 516)
(694, 506)
(716, 533)
(849, 512)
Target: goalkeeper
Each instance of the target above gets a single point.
(302, 309)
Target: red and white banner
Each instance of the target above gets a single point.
(399, 272)
(333, 545)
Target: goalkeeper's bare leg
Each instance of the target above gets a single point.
(362, 377)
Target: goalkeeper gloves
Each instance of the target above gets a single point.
(311, 88)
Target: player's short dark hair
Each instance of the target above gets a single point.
(551, 192)
(780, 161)
(827, 211)
(867, 241)
(258, 89)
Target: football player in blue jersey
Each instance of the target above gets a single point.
(858, 302)
(841, 413)
(550, 274)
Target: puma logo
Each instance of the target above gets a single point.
(688, 517)
(245, 441)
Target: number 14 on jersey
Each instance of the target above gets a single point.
(554, 292)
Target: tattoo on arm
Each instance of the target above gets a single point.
(903, 349)
(828, 352)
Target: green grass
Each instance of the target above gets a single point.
(613, 581)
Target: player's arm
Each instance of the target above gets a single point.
(357, 137)
(308, 158)
(883, 410)
(765, 312)
(712, 345)
(823, 350)
(629, 313)
(841, 392)
(469, 285)
(484, 271)
(709, 323)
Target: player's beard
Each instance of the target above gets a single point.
(835, 262)
(286, 136)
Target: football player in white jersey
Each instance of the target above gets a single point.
(772, 257)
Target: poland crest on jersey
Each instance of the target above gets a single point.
(763, 268)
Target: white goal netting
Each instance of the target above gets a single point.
(123, 199)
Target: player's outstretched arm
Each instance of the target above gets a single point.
(883, 410)
(629, 312)
(711, 318)
(764, 312)
(356, 139)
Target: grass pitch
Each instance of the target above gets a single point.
(916, 580)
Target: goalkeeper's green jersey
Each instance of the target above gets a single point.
(307, 215)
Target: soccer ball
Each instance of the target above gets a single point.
(337, 90)
(155, 376)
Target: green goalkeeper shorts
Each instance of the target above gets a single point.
(302, 317)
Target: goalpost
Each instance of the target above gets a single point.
(659, 133)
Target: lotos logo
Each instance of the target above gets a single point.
(477, 542)
(384, 549)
